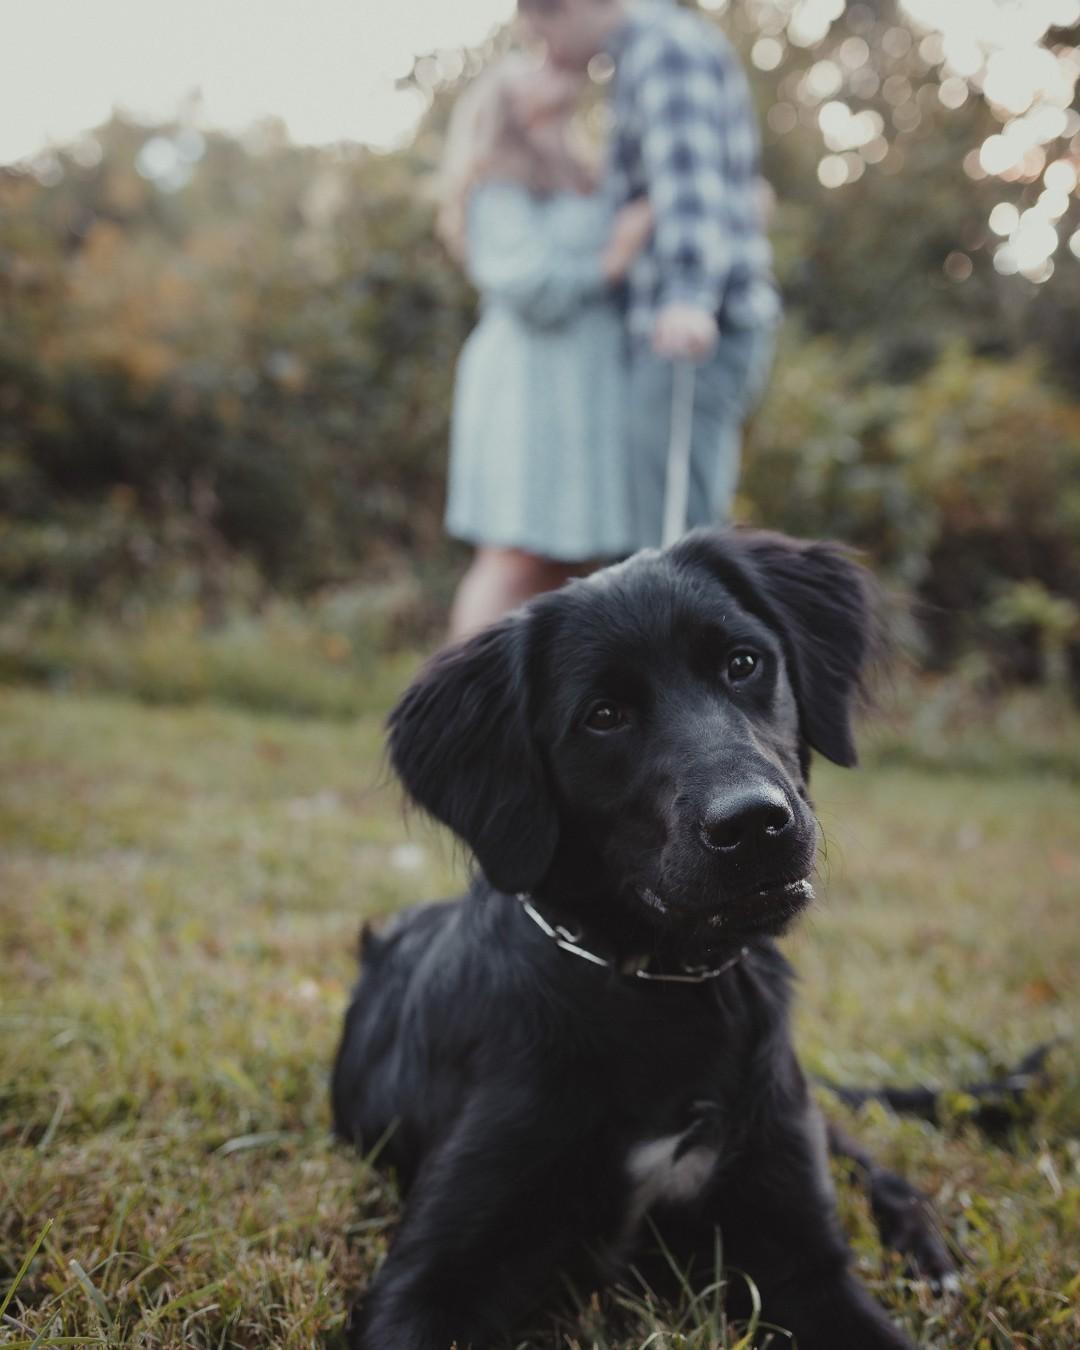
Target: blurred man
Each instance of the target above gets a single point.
(685, 136)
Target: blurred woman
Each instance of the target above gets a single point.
(538, 475)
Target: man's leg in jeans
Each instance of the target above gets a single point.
(726, 387)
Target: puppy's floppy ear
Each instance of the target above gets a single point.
(461, 743)
(821, 604)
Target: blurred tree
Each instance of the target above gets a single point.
(280, 329)
(944, 140)
(215, 349)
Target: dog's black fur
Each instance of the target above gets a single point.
(631, 751)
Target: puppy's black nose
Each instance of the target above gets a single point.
(748, 820)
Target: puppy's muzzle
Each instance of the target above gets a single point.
(760, 843)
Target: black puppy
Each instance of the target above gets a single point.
(597, 1033)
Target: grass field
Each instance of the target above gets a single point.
(180, 891)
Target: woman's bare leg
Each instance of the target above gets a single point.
(498, 580)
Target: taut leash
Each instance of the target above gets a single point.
(677, 485)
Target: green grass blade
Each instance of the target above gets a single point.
(181, 1299)
(21, 1272)
(264, 1139)
(92, 1292)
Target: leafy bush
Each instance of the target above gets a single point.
(268, 353)
(326, 658)
(959, 485)
(212, 396)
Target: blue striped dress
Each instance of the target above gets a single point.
(538, 454)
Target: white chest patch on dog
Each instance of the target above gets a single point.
(657, 1175)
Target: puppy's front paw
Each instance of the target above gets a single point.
(907, 1225)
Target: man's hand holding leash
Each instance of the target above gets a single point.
(685, 333)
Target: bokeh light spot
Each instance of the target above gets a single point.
(953, 91)
(1061, 176)
(958, 266)
(973, 165)
(767, 53)
(1004, 218)
(823, 79)
(832, 172)
(875, 151)
(896, 42)
(782, 118)
(896, 90)
(1053, 204)
(854, 52)
(932, 49)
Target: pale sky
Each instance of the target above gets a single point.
(326, 67)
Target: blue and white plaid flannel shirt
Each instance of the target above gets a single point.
(685, 133)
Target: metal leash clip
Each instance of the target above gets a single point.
(562, 937)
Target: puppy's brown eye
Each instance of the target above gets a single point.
(606, 717)
(741, 665)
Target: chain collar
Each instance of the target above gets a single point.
(570, 941)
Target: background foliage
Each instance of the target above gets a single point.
(226, 368)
